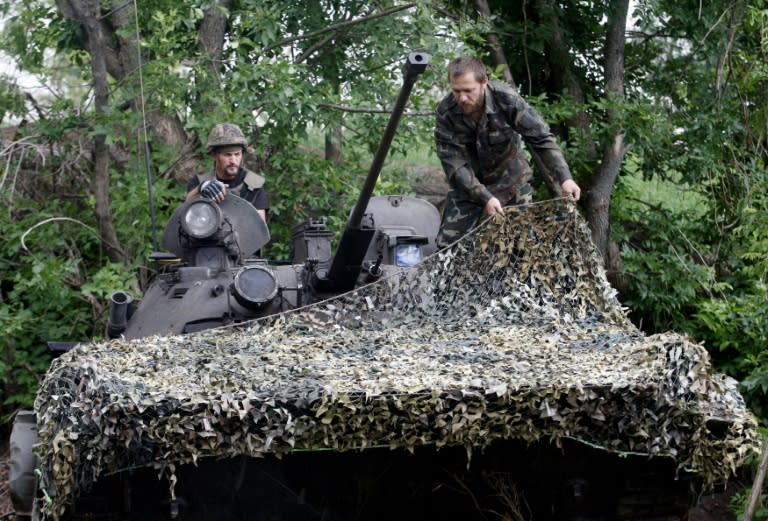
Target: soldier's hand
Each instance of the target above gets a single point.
(571, 188)
(213, 189)
(493, 207)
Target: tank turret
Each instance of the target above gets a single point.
(357, 235)
(211, 273)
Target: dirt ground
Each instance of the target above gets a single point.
(713, 508)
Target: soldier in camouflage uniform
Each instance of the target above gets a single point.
(226, 146)
(477, 132)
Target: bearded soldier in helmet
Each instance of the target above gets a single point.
(226, 146)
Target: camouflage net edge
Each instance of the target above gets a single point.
(513, 333)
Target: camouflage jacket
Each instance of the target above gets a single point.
(475, 154)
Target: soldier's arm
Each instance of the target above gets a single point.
(455, 161)
(192, 193)
(193, 188)
(261, 203)
(536, 134)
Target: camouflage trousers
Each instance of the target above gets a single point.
(461, 214)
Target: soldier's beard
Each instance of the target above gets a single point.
(472, 108)
(228, 172)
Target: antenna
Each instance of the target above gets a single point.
(147, 164)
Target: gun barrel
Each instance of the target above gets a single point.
(353, 245)
(415, 64)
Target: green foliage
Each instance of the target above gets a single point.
(34, 306)
(669, 267)
(11, 99)
(710, 134)
(58, 288)
(738, 502)
(307, 186)
(735, 324)
(743, 354)
(694, 277)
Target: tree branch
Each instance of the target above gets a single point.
(54, 219)
(342, 108)
(334, 27)
(497, 52)
(75, 10)
(613, 155)
(734, 25)
(757, 485)
(315, 46)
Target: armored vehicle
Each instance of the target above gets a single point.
(498, 378)
(213, 276)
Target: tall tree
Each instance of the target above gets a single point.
(89, 11)
(602, 180)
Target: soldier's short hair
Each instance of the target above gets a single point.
(467, 65)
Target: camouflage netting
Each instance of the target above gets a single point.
(513, 333)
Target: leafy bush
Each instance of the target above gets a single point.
(669, 267)
(738, 504)
(735, 325)
(41, 305)
(694, 278)
(56, 281)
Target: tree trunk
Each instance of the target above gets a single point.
(127, 52)
(562, 77)
(757, 485)
(601, 186)
(210, 40)
(210, 46)
(121, 59)
(333, 140)
(100, 182)
(334, 135)
(497, 52)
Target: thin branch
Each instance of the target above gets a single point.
(36, 106)
(445, 12)
(315, 46)
(466, 490)
(32, 372)
(119, 7)
(492, 39)
(334, 27)
(717, 22)
(525, 48)
(52, 219)
(24, 142)
(342, 108)
(735, 24)
(757, 486)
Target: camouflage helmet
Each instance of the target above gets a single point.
(223, 135)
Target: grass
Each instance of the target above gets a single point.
(667, 192)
